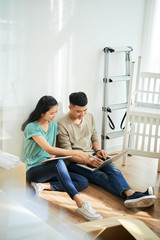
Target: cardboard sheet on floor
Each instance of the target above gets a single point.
(122, 227)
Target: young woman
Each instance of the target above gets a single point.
(40, 132)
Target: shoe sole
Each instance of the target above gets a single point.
(87, 217)
(141, 202)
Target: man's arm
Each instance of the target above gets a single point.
(95, 144)
(99, 152)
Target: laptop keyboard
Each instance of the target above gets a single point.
(88, 165)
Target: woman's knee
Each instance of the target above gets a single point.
(61, 164)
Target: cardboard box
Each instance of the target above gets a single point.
(117, 228)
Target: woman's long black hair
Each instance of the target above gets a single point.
(43, 106)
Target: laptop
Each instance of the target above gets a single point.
(109, 159)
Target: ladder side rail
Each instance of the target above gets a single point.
(105, 99)
(127, 59)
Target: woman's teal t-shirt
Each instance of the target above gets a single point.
(32, 153)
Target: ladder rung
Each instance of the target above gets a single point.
(119, 78)
(118, 106)
(115, 134)
(118, 49)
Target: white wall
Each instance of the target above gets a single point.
(56, 47)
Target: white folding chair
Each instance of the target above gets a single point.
(142, 130)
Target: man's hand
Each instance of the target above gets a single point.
(102, 154)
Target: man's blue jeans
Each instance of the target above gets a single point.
(57, 174)
(108, 177)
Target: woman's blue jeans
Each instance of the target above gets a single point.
(56, 173)
(108, 177)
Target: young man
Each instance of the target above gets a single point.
(77, 131)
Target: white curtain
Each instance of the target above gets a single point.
(151, 37)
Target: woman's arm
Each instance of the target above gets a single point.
(41, 141)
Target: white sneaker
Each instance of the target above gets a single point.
(88, 212)
(38, 187)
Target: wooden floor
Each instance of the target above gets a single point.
(139, 172)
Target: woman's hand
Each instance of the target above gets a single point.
(85, 157)
(53, 156)
(95, 162)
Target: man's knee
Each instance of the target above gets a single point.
(83, 183)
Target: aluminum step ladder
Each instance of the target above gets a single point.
(108, 80)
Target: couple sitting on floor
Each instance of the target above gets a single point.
(77, 137)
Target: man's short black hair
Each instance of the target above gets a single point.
(78, 98)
